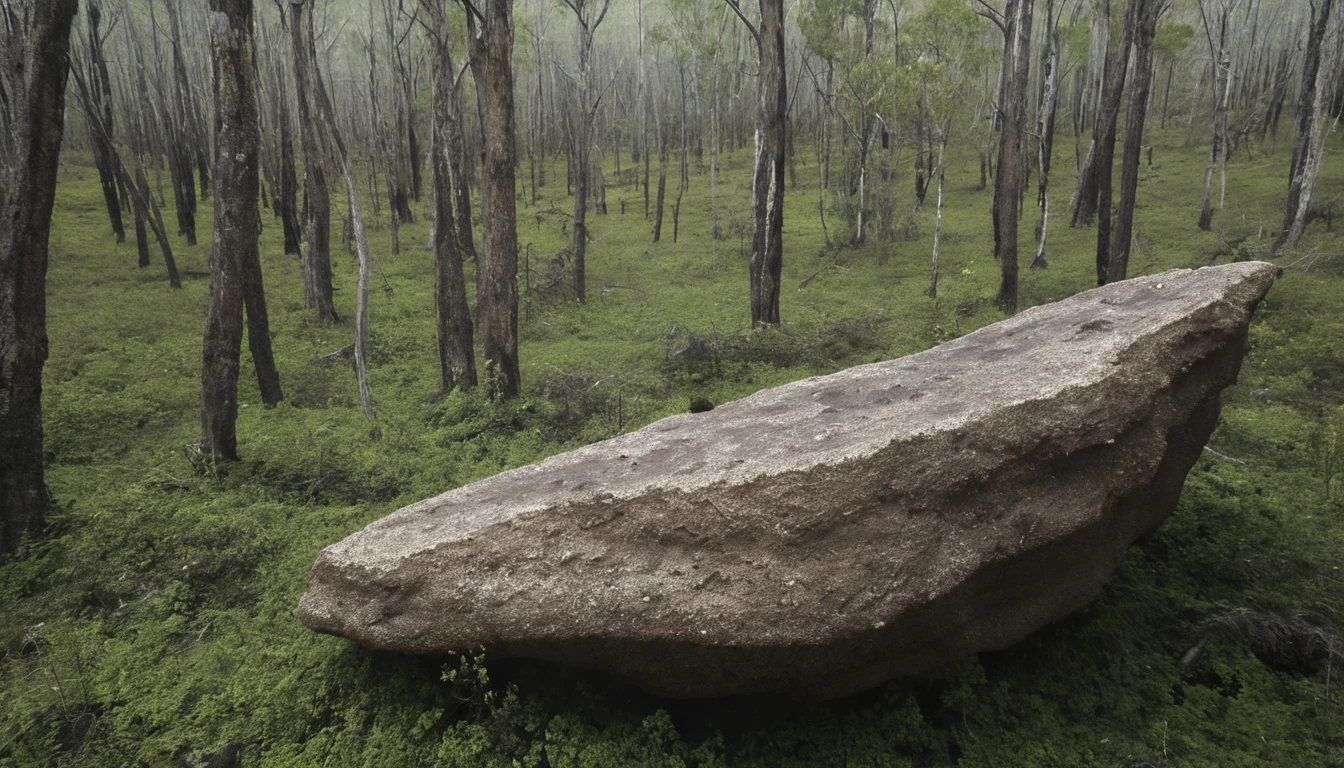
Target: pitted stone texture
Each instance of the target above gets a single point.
(822, 537)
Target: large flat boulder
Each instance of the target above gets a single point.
(822, 537)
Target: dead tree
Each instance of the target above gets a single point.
(767, 190)
(1312, 123)
(235, 270)
(1013, 139)
(34, 65)
(1146, 16)
(490, 41)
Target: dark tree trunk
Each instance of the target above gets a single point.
(457, 363)
(491, 53)
(191, 139)
(1147, 14)
(317, 291)
(184, 193)
(1309, 143)
(457, 164)
(288, 198)
(100, 87)
(233, 255)
(767, 191)
(1094, 178)
(141, 216)
(1013, 141)
(34, 65)
(662, 183)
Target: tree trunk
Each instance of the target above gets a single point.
(1147, 14)
(190, 132)
(1095, 175)
(1312, 127)
(938, 216)
(662, 183)
(1012, 145)
(235, 233)
(767, 191)
(100, 87)
(491, 52)
(34, 65)
(457, 363)
(288, 202)
(1045, 128)
(317, 290)
(1222, 93)
(580, 156)
(457, 166)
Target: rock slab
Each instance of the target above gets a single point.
(822, 537)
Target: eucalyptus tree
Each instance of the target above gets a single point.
(317, 288)
(457, 363)
(588, 16)
(490, 52)
(100, 108)
(235, 269)
(947, 58)
(1014, 79)
(861, 87)
(1172, 41)
(1324, 39)
(1147, 13)
(767, 189)
(1062, 45)
(34, 66)
(1221, 61)
(187, 135)
(1092, 195)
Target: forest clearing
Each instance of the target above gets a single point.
(152, 621)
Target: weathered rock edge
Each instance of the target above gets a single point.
(822, 537)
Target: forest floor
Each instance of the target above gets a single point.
(156, 622)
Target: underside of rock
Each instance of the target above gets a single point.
(821, 537)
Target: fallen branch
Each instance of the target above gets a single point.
(1224, 456)
(343, 353)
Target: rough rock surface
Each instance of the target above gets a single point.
(824, 536)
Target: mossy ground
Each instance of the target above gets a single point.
(157, 618)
